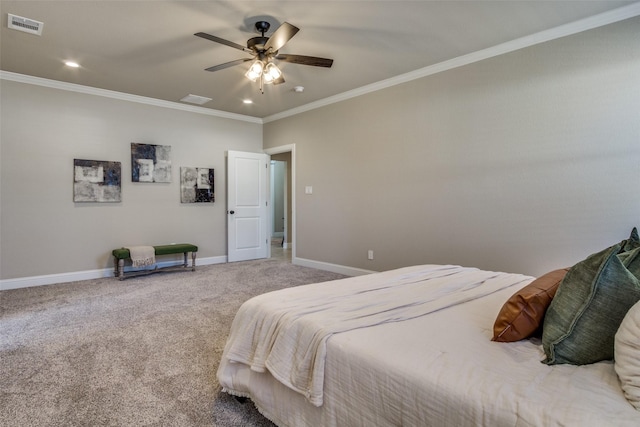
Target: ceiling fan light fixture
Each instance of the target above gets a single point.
(271, 73)
(255, 71)
(264, 51)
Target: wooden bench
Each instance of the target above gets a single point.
(122, 254)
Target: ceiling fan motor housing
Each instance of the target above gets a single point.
(257, 43)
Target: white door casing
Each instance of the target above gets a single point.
(247, 206)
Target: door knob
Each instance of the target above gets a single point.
(232, 212)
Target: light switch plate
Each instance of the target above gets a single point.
(308, 189)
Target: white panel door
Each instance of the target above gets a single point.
(247, 206)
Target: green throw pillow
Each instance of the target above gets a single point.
(632, 242)
(595, 295)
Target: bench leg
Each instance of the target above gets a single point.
(184, 264)
(193, 261)
(115, 267)
(121, 268)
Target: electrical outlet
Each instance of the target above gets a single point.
(370, 254)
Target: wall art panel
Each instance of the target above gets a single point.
(150, 163)
(196, 185)
(97, 181)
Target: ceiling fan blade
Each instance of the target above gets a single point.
(223, 41)
(279, 80)
(282, 35)
(228, 64)
(305, 60)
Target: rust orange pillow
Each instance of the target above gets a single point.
(523, 313)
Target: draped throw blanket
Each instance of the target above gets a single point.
(141, 256)
(285, 332)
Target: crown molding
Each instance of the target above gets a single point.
(579, 26)
(72, 87)
(585, 24)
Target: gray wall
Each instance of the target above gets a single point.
(525, 162)
(43, 129)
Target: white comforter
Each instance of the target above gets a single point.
(286, 331)
(440, 369)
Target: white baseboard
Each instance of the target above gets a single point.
(334, 268)
(50, 279)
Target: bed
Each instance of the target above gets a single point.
(410, 347)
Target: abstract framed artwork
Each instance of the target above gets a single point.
(196, 185)
(97, 181)
(150, 163)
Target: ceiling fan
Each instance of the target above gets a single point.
(263, 51)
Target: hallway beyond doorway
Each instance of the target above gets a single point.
(278, 252)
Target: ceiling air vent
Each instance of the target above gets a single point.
(196, 99)
(25, 24)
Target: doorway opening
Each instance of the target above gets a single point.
(278, 201)
(282, 211)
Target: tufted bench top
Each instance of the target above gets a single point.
(176, 248)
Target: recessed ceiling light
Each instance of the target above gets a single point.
(298, 89)
(247, 101)
(71, 64)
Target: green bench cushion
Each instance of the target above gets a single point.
(178, 248)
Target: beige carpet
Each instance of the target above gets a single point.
(141, 352)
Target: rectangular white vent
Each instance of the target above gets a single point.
(196, 99)
(25, 24)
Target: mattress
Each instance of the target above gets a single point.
(438, 369)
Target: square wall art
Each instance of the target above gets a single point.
(97, 181)
(150, 163)
(196, 185)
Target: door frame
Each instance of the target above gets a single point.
(285, 149)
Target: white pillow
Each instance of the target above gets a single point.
(627, 355)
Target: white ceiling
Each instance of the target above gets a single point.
(147, 48)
